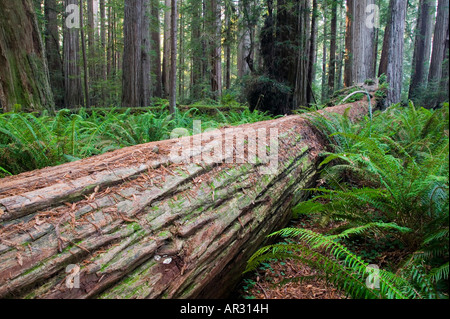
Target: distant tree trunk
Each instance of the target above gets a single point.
(145, 54)
(181, 65)
(156, 50)
(87, 99)
(91, 41)
(72, 61)
(312, 53)
(215, 47)
(24, 75)
(324, 55)
(360, 42)
(340, 61)
(173, 58)
(132, 55)
(52, 49)
(196, 49)
(422, 46)
(393, 50)
(333, 41)
(348, 57)
(440, 52)
(166, 49)
(227, 44)
(303, 30)
(103, 60)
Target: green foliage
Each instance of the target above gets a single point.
(383, 179)
(29, 142)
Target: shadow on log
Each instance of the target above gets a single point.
(156, 220)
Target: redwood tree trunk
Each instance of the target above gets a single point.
(393, 50)
(140, 223)
(422, 47)
(72, 61)
(52, 49)
(24, 75)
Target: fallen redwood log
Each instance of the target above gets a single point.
(151, 221)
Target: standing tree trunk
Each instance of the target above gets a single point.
(103, 59)
(132, 55)
(215, 46)
(52, 49)
(145, 54)
(173, 58)
(440, 52)
(156, 50)
(393, 50)
(196, 49)
(72, 73)
(360, 42)
(85, 61)
(333, 41)
(166, 49)
(324, 95)
(24, 75)
(302, 77)
(422, 47)
(312, 54)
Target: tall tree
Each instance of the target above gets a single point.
(215, 46)
(333, 41)
(136, 60)
(422, 46)
(196, 45)
(312, 52)
(156, 49)
(72, 60)
(166, 49)
(87, 100)
(53, 53)
(303, 30)
(360, 42)
(24, 76)
(436, 81)
(173, 58)
(393, 47)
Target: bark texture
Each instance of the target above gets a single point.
(139, 226)
(24, 76)
(393, 50)
(360, 43)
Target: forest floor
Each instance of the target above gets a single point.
(276, 280)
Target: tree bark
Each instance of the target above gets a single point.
(360, 42)
(436, 82)
(166, 49)
(138, 226)
(136, 77)
(333, 43)
(72, 61)
(393, 50)
(215, 46)
(156, 49)
(53, 53)
(173, 58)
(24, 74)
(422, 47)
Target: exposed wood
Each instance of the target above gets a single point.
(140, 226)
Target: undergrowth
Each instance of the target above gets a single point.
(386, 179)
(29, 142)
